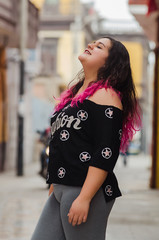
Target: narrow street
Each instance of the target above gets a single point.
(21, 200)
(135, 216)
(47, 46)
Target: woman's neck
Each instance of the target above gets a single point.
(88, 79)
(85, 85)
(89, 76)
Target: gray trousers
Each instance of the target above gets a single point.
(53, 223)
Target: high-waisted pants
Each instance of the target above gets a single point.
(53, 223)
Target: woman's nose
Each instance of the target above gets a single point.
(91, 45)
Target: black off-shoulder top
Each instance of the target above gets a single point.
(88, 134)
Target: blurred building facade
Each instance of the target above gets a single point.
(10, 34)
(65, 27)
(62, 37)
(51, 63)
(146, 13)
(63, 32)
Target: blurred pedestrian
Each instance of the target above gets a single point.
(125, 155)
(93, 120)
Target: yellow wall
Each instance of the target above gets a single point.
(69, 7)
(65, 6)
(136, 59)
(38, 3)
(67, 62)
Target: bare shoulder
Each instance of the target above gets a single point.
(106, 97)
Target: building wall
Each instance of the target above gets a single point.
(136, 59)
(3, 107)
(10, 31)
(69, 48)
(13, 79)
(142, 76)
(28, 146)
(13, 93)
(69, 45)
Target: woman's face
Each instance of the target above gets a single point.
(96, 54)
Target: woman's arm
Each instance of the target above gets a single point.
(51, 189)
(79, 210)
(95, 176)
(93, 182)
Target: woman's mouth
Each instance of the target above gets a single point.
(87, 52)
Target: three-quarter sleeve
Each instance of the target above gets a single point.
(106, 129)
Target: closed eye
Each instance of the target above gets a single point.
(99, 47)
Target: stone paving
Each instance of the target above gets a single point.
(21, 201)
(135, 216)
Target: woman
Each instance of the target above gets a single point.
(94, 119)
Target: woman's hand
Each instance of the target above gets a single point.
(79, 211)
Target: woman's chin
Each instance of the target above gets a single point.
(82, 57)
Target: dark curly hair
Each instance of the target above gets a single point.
(117, 71)
(116, 74)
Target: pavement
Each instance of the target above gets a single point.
(135, 215)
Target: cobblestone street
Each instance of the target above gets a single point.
(135, 216)
(21, 200)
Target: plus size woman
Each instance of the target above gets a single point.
(94, 120)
